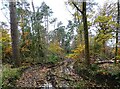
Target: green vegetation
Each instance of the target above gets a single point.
(36, 48)
(106, 75)
(10, 75)
(53, 58)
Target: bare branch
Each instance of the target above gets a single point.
(77, 8)
(69, 10)
(33, 6)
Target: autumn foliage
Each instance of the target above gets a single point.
(55, 48)
(5, 43)
(77, 52)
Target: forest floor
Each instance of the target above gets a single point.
(48, 75)
(63, 75)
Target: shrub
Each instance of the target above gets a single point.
(102, 76)
(77, 52)
(9, 76)
(53, 58)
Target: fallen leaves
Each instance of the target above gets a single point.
(38, 76)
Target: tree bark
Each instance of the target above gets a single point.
(14, 33)
(83, 12)
(118, 18)
(87, 58)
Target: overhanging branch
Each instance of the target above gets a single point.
(77, 8)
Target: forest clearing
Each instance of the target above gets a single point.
(74, 46)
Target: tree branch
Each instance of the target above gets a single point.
(77, 8)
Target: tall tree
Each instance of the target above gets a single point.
(104, 25)
(118, 21)
(14, 33)
(47, 13)
(84, 16)
(105, 22)
(69, 35)
(39, 31)
(86, 34)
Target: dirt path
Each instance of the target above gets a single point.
(44, 76)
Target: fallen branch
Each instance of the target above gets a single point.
(51, 75)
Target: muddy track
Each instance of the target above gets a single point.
(51, 75)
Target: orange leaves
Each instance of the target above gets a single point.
(8, 50)
(27, 42)
(24, 48)
(25, 34)
(119, 51)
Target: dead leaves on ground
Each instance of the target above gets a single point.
(38, 76)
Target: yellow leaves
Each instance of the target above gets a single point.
(79, 49)
(103, 19)
(5, 36)
(76, 52)
(21, 24)
(55, 48)
(5, 43)
(72, 56)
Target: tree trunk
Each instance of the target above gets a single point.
(14, 33)
(103, 50)
(87, 58)
(118, 18)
